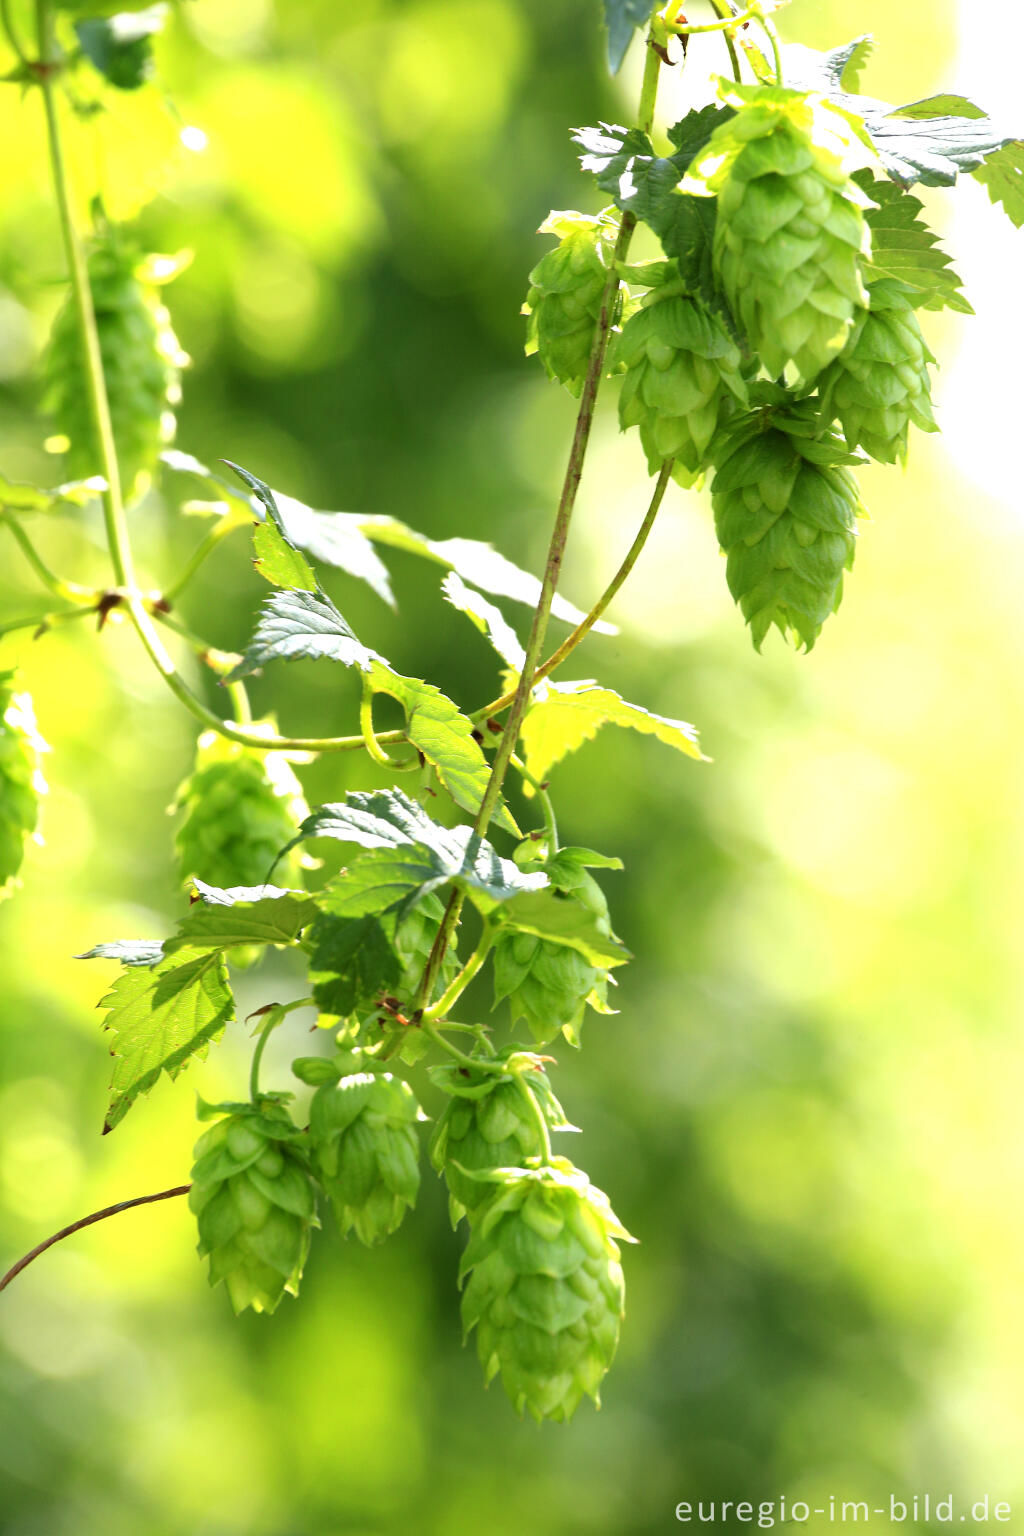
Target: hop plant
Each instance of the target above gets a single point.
(682, 378)
(879, 384)
(545, 1291)
(255, 1202)
(366, 1151)
(241, 807)
(490, 1123)
(21, 779)
(564, 301)
(790, 235)
(546, 983)
(141, 362)
(785, 514)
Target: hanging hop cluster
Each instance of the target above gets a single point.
(879, 384)
(254, 1198)
(141, 365)
(545, 1290)
(241, 806)
(489, 1123)
(785, 511)
(681, 379)
(790, 235)
(21, 779)
(362, 1130)
(564, 301)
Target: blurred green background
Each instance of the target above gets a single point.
(808, 1107)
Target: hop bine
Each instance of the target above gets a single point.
(564, 301)
(255, 1202)
(879, 384)
(785, 511)
(545, 1291)
(366, 1151)
(790, 236)
(682, 377)
(489, 1123)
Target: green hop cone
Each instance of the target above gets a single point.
(546, 983)
(366, 1151)
(21, 779)
(785, 513)
(880, 384)
(682, 378)
(141, 365)
(489, 1123)
(255, 1201)
(790, 235)
(564, 301)
(545, 1291)
(242, 806)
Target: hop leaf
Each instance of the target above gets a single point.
(790, 235)
(366, 1151)
(141, 362)
(21, 779)
(255, 1202)
(785, 513)
(682, 378)
(242, 806)
(488, 1124)
(564, 301)
(545, 1291)
(880, 384)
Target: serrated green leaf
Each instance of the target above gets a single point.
(337, 539)
(903, 247)
(161, 1018)
(351, 963)
(622, 18)
(565, 715)
(438, 729)
(476, 562)
(550, 915)
(278, 561)
(409, 855)
(1002, 176)
(260, 914)
(148, 952)
(489, 620)
(301, 625)
(120, 46)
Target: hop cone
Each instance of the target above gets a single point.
(241, 807)
(488, 1124)
(21, 779)
(546, 983)
(785, 513)
(366, 1151)
(545, 1291)
(564, 301)
(254, 1198)
(682, 378)
(141, 362)
(790, 233)
(880, 384)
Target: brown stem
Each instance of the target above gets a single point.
(87, 1221)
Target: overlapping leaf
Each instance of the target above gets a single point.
(163, 1016)
(260, 914)
(565, 715)
(551, 915)
(622, 18)
(903, 247)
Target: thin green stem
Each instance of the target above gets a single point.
(552, 567)
(12, 36)
(585, 625)
(454, 991)
(240, 703)
(275, 1014)
(688, 29)
(203, 550)
(547, 809)
(479, 1063)
(67, 591)
(45, 621)
(371, 741)
(537, 1114)
(96, 392)
(721, 8)
(768, 28)
(648, 89)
